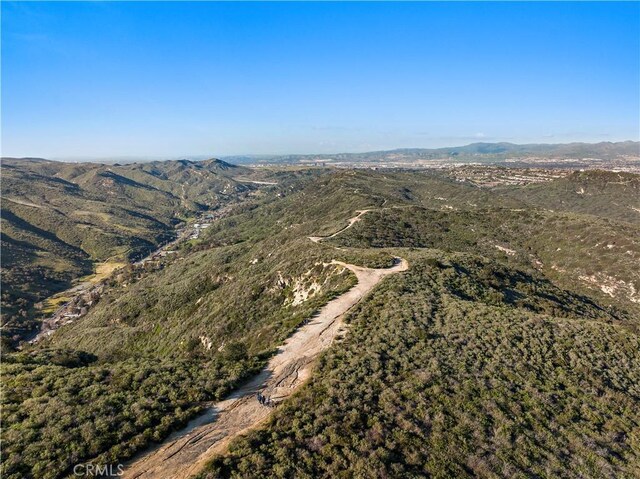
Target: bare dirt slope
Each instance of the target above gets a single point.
(185, 452)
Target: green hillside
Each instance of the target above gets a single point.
(592, 255)
(608, 195)
(60, 218)
(457, 381)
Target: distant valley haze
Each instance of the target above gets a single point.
(629, 150)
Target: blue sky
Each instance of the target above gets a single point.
(180, 79)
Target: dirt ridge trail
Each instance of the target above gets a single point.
(185, 452)
(352, 221)
(355, 219)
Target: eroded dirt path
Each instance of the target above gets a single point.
(352, 221)
(355, 219)
(185, 452)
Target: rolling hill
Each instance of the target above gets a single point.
(59, 219)
(508, 347)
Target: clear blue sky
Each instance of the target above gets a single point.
(171, 79)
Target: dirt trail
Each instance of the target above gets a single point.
(352, 221)
(355, 219)
(21, 202)
(185, 452)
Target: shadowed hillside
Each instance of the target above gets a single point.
(58, 219)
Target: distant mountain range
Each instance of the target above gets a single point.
(475, 152)
(485, 152)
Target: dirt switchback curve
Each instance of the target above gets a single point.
(185, 452)
(352, 221)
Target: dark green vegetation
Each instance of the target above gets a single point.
(604, 194)
(575, 251)
(469, 370)
(63, 410)
(489, 357)
(58, 219)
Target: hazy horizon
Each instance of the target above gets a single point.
(199, 157)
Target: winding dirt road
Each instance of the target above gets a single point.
(355, 219)
(185, 452)
(352, 221)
